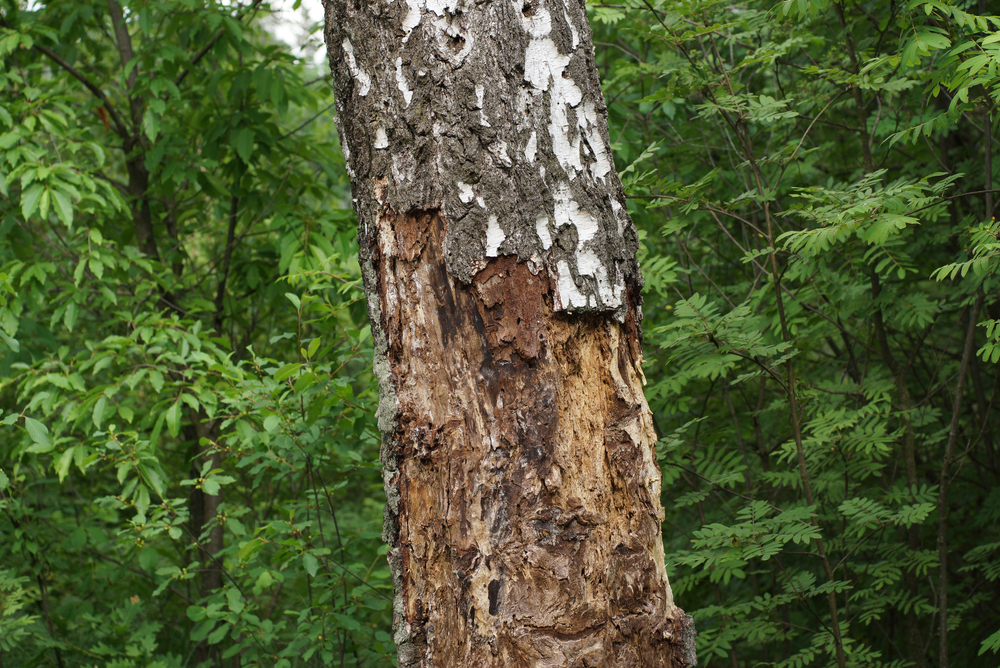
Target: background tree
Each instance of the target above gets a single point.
(815, 184)
(188, 445)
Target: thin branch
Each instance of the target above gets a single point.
(307, 121)
(942, 537)
(82, 78)
(208, 47)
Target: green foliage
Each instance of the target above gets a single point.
(810, 181)
(188, 454)
(188, 449)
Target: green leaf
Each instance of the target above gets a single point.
(99, 410)
(218, 634)
(69, 316)
(235, 600)
(64, 208)
(211, 486)
(11, 342)
(250, 548)
(286, 372)
(262, 81)
(991, 644)
(39, 433)
(271, 423)
(202, 629)
(243, 143)
(156, 380)
(141, 498)
(62, 468)
(311, 564)
(29, 199)
(43, 204)
(4, 481)
(174, 418)
(96, 267)
(236, 526)
(9, 139)
(304, 382)
(151, 125)
(149, 474)
(264, 580)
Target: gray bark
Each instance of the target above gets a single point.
(523, 505)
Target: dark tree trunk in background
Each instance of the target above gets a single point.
(499, 261)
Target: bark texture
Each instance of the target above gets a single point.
(523, 490)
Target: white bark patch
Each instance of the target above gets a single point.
(542, 227)
(588, 264)
(404, 88)
(544, 69)
(480, 92)
(412, 18)
(567, 152)
(541, 58)
(588, 123)
(619, 218)
(545, 66)
(381, 139)
(539, 24)
(347, 157)
(465, 192)
(402, 167)
(567, 293)
(441, 7)
(611, 292)
(531, 148)
(494, 237)
(363, 79)
(610, 288)
(568, 212)
(572, 30)
(447, 32)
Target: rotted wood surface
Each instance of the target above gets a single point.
(526, 526)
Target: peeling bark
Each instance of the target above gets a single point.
(522, 485)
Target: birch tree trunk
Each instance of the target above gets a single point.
(523, 510)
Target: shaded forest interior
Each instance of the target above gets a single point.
(189, 452)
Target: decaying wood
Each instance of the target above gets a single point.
(523, 490)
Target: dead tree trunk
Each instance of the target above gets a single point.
(499, 261)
